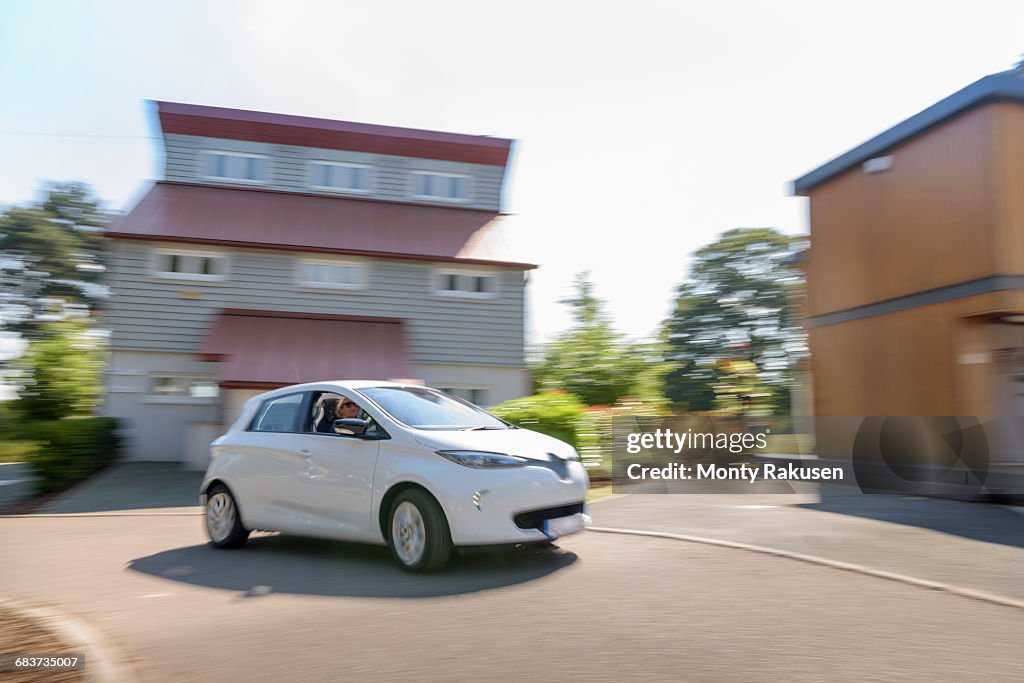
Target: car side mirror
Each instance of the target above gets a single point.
(350, 425)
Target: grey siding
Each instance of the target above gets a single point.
(289, 169)
(150, 313)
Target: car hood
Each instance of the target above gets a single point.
(521, 442)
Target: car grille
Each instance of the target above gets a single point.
(534, 519)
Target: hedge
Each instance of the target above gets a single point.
(554, 413)
(71, 449)
(564, 416)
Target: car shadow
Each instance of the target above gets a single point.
(295, 565)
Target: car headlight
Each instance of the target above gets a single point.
(483, 459)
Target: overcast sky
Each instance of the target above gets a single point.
(644, 128)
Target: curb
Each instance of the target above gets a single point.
(104, 662)
(970, 593)
(142, 512)
(611, 496)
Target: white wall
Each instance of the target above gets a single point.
(501, 383)
(157, 428)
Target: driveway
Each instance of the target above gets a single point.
(16, 482)
(973, 545)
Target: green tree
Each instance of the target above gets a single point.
(50, 257)
(61, 372)
(591, 360)
(735, 307)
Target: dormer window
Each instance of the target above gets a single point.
(235, 166)
(461, 283)
(332, 274)
(189, 265)
(451, 187)
(338, 176)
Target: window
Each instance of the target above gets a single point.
(475, 396)
(466, 284)
(330, 175)
(278, 414)
(190, 265)
(331, 274)
(323, 415)
(183, 386)
(446, 186)
(249, 168)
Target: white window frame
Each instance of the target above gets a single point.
(437, 273)
(371, 174)
(231, 153)
(434, 198)
(159, 253)
(363, 266)
(152, 397)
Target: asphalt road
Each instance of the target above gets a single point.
(599, 608)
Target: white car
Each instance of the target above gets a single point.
(417, 470)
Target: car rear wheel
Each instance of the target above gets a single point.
(223, 523)
(419, 537)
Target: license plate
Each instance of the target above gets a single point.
(563, 526)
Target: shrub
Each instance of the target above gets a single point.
(554, 413)
(60, 372)
(14, 447)
(71, 449)
(17, 451)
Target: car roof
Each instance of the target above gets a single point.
(327, 385)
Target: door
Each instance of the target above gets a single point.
(1009, 383)
(334, 489)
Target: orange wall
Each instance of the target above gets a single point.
(1008, 187)
(951, 209)
(922, 361)
(924, 223)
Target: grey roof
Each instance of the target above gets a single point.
(1006, 85)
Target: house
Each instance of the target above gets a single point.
(282, 249)
(915, 274)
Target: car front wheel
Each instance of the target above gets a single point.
(419, 535)
(223, 523)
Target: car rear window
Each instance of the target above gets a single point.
(277, 414)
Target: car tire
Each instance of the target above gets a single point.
(418, 532)
(223, 523)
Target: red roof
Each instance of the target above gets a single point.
(263, 349)
(291, 221)
(304, 131)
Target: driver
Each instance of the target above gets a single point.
(346, 408)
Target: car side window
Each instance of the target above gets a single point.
(322, 416)
(321, 419)
(277, 414)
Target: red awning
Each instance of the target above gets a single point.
(263, 349)
(301, 222)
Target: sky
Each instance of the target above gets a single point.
(644, 129)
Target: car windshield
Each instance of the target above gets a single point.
(423, 408)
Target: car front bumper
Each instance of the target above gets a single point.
(526, 505)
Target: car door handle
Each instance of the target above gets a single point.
(305, 453)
